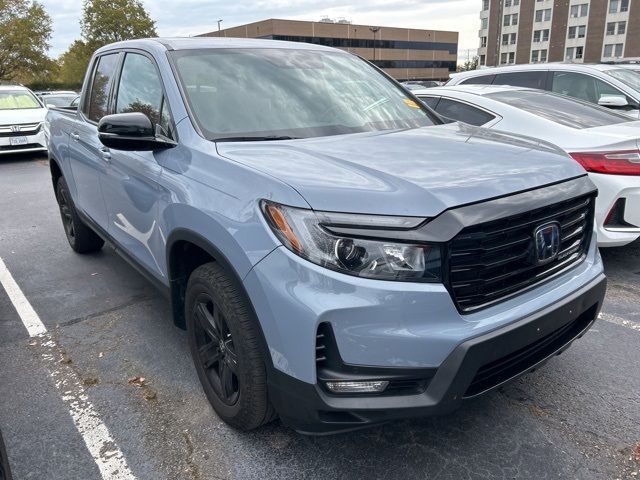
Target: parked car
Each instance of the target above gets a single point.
(417, 84)
(339, 260)
(21, 118)
(61, 100)
(607, 85)
(5, 471)
(603, 141)
(46, 93)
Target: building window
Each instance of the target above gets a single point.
(535, 54)
(574, 53)
(543, 55)
(510, 20)
(505, 39)
(579, 31)
(511, 3)
(483, 42)
(541, 35)
(618, 28)
(622, 28)
(507, 58)
(483, 60)
(543, 15)
(616, 6)
(613, 50)
(581, 10)
(484, 23)
(485, 5)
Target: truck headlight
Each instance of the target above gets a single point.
(308, 234)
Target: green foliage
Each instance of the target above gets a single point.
(103, 22)
(107, 21)
(73, 63)
(25, 30)
(469, 65)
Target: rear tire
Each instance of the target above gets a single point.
(225, 345)
(80, 237)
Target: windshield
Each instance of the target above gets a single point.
(566, 111)
(245, 94)
(628, 77)
(17, 99)
(59, 100)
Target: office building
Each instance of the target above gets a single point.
(404, 53)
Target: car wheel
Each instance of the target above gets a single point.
(81, 238)
(225, 346)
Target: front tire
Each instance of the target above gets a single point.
(81, 238)
(225, 346)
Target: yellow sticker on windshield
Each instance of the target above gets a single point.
(410, 103)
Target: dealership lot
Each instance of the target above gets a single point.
(579, 417)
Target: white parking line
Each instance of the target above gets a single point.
(607, 317)
(96, 436)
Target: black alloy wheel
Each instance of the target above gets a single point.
(216, 351)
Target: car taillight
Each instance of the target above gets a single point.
(613, 163)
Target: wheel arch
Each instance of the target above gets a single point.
(199, 250)
(56, 171)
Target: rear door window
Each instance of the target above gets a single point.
(479, 80)
(430, 101)
(531, 79)
(584, 87)
(463, 112)
(101, 87)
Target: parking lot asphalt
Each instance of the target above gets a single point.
(578, 417)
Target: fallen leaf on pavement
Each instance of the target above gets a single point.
(90, 381)
(136, 381)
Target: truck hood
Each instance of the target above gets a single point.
(22, 115)
(418, 172)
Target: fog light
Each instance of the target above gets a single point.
(374, 386)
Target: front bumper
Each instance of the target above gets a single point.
(611, 188)
(475, 366)
(34, 143)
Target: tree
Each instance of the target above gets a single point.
(107, 21)
(469, 65)
(73, 63)
(25, 30)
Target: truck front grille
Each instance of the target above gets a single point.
(493, 261)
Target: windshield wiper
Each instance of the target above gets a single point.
(254, 139)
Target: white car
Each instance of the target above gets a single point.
(603, 141)
(21, 121)
(609, 85)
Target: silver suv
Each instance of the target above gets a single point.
(607, 85)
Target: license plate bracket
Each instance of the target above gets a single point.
(15, 141)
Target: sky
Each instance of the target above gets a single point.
(191, 17)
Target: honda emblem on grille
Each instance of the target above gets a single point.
(547, 242)
(15, 128)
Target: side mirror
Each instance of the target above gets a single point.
(130, 132)
(613, 101)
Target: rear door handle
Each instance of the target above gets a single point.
(105, 153)
(75, 136)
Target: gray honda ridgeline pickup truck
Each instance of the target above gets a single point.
(338, 255)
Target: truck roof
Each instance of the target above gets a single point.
(192, 43)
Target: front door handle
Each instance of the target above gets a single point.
(105, 153)
(75, 137)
